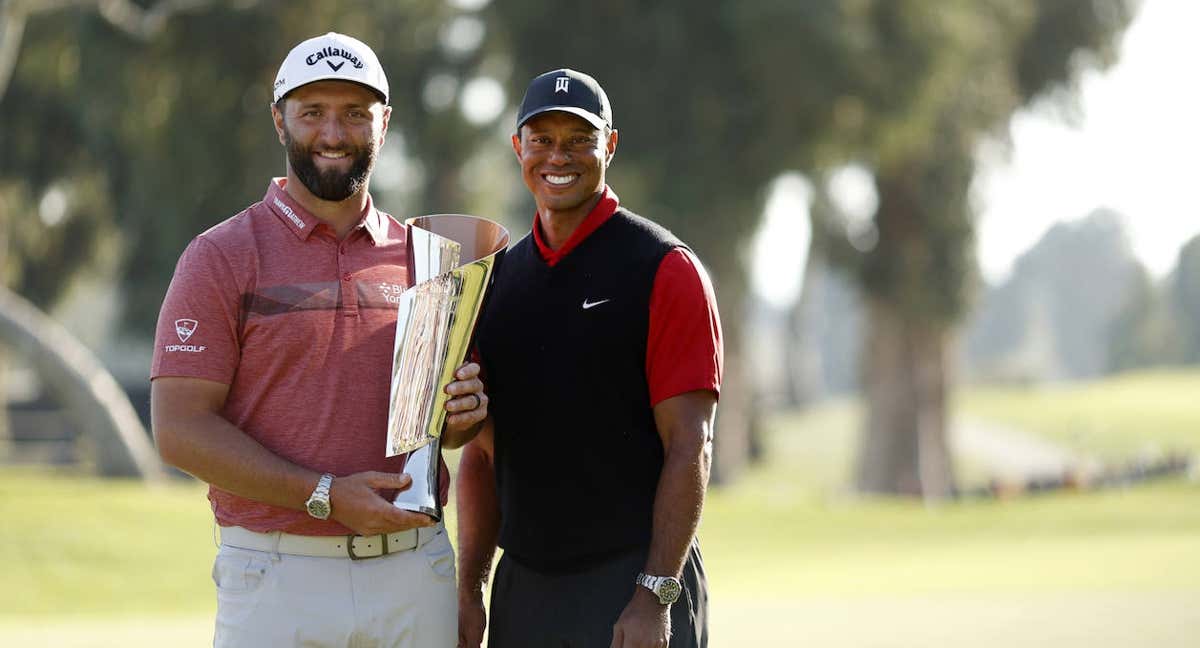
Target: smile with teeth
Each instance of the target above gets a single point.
(333, 155)
(561, 179)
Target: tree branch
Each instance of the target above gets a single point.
(129, 18)
(12, 28)
(144, 24)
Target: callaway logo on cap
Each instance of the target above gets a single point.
(334, 57)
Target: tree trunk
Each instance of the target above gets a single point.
(93, 399)
(805, 383)
(904, 442)
(6, 441)
(733, 443)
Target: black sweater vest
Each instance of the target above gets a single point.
(577, 453)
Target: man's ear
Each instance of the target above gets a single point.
(610, 148)
(516, 144)
(277, 118)
(387, 117)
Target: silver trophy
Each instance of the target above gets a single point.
(451, 258)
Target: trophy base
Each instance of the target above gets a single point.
(434, 513)
(424, 496)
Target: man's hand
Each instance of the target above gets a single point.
(358, 505)
(467, 406)
(645, 623)
(472, 619)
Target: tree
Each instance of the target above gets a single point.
(1142, 332)
(1184, 290)
(1072, 283)
(714, 101)
(40, 256)
(174, 133)
(909, 89)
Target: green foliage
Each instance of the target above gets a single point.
(55, 210)
(1065, 34)
(713, 102)
(691, 153)
(157, 141)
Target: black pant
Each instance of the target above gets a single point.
(532, 609)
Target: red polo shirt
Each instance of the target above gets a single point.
(301, 327)
(683, 348)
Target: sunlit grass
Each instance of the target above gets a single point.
(1114, 419)
(76, 545)
(793, 558)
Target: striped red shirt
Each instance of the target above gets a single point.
(301, 327)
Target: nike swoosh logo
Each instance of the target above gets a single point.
(587, 304)
(336, 67)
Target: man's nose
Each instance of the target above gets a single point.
(559, 154)
(333, 131)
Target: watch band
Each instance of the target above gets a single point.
(318, 503)
(322, 489)
(666, 588)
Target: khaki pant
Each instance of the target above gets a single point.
(403, 600)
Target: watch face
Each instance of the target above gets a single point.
(318, 509)
(668, 591)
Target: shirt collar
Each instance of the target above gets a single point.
(603, 210)
(375, 222)
(302, 223)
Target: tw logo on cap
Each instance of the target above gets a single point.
(184, 328)
(561, 83)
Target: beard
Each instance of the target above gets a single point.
(330, 184)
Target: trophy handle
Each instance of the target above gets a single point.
(424, 495)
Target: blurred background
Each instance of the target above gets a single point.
(955, 246)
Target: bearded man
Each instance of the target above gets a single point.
(270, 381)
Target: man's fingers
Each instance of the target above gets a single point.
(467, 371)
(464, 387)
(400, 481)
(466, 419)
(467, 403)
(410, 520)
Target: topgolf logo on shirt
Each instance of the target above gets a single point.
(184, 328)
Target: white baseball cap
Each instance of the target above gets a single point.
(334, 57)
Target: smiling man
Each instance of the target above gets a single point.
(602, 348)
(279, 399)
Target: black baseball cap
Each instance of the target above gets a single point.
(566, 91)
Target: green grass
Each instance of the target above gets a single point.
(1113, 419)
(75, 545)
(793, 560)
